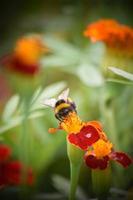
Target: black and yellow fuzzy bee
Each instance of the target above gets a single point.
(62, 106)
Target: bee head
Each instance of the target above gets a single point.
(62, 106)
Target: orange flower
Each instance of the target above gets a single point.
(102, 152)
(88, 136)
(25, 56)
(28, 50)
(112, 33)
(79, 133)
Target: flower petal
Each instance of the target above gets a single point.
(96, 124)
(13, 173)
(19, 66)
(85, 138)
(5, 153)
(91, 161)
(103, 163)
(95, 163)
(122, 158)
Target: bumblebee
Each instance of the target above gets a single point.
(62, 106)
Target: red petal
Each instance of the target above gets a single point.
(23, 68)
(103, 163)
(85, 138)
(122, 158)
(94, 163)
(96, 124)
(2, 175)
(91, 161)
(30, 177)
(17, 65)
(5, 152)
(13, 172)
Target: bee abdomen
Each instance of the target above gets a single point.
(63, 113)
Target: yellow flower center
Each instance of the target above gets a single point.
(102, 148)
(72, 123)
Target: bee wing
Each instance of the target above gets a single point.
(64, 94)
(50, 102)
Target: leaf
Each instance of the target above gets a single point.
(18, 120)
(48, 92)
(90, 75)
(63, 185)
(118, 191)
(119, 81)
(64, 54)
(61, 47)
(59, 61)
(10, 107)
(48, 196)
(36, 95)
(122, 73)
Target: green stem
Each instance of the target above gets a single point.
(75, 170)
(101, 181)
(75, 157)
(24, 148)
(107, 112)
(112, 126)
(25, 135)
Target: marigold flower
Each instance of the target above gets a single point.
(25, 56)
(115, 35)
(5, 153)
(85, 137)
(102, 152)
(80, 133)
(13, 172)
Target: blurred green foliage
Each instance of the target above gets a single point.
(75, 63)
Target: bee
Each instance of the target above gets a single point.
(62, 106)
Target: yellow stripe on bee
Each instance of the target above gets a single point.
(59, 107)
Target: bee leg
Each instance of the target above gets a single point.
(54, 130)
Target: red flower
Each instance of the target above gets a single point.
(15, 64)
(86, 137)
(101, 153)
(5, 153)
(14, 171)
(82, 134)
(25, 57)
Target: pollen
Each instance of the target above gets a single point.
(102, 148)
(72, 123)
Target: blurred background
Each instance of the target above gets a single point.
(71, 61)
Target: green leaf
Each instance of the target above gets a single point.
(113, 80)
(48, 92)
(122, 73)
(61, 47)
(62, 184)
(10, 107)
(18, 120)
(36, 95)
(90, 75)
(58, 61)
(49, 196)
